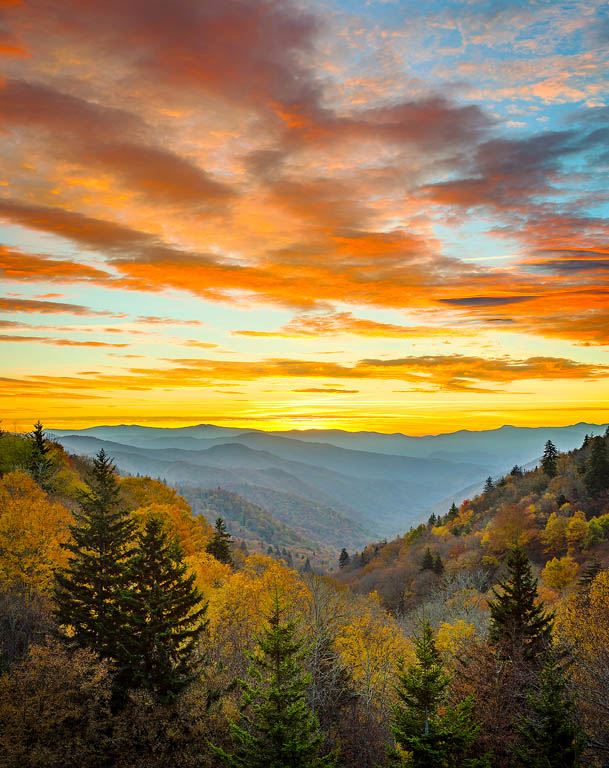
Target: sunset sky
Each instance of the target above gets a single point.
(363, 215)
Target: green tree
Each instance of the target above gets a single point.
(428, 734)
(516, 618)
(438, 565)
(344, 558)
(597, 468)
(40, 465)
(489, 485)
(220, 545)
(452, 512)
(277, 729)
(548, 462)
(549, 736)
(427, 561)
(88, 592)
(166, 616)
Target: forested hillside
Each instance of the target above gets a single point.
(126, 623)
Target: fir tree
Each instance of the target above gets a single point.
(306, 568)
(438, 565)
(452, 512)
(166, 616)
(549, 734)
(432, 520)
(548, 462)
(589, 573)
(40, 465)
(344, 558)
(220, 545)
(597, 468)
(516, 619)
(516, 471)
(586, 440)
(427, 561)
(489, 485)
(277, 729)
(434, 736)
(88, 592)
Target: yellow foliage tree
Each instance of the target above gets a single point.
(452, 637)
(513, 525)
(554, 536)
(576, 531)
(371, 645)
(559, 573)
(582, 623)
(192, 533)
(32, 530)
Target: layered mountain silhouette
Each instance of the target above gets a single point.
(328, 487)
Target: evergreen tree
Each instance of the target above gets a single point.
(306, 568)
(586, 440)
(277, 729)
(432, 520)
(489, 485)
(516, 619)
(452, 512)
(597, 468)
(40, 465)
(549, 734)
(427, 561)
(434, 736)
(344, 558)
(88, 592)
(220, 545)
(589, 573)
(548, 462)
(438, 565)
(516, 471)
(166, 616)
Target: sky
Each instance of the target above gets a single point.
(362, 215)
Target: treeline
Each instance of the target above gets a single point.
(132, 633)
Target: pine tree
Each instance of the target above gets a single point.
(452, 512)
(427, 561)
(589, 573)
(516, 619)
(434, 736)
(220, 545)
(166, 616)
(597, 468)
(88, 592)
(489, 485)
(344, 558)
(516, 471)
(277, 729)
(432, 520)
(549, 734)
(548, 462)
(306, 568)
(40, 465)
(438, 565)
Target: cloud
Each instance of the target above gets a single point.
(57, 342)
(50, 307)
(327, 390)
(486, 301)
(17, 265)
(336, 323)
(98, 136)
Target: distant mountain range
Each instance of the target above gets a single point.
(328, 487)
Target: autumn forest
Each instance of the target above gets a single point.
(134, 633)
